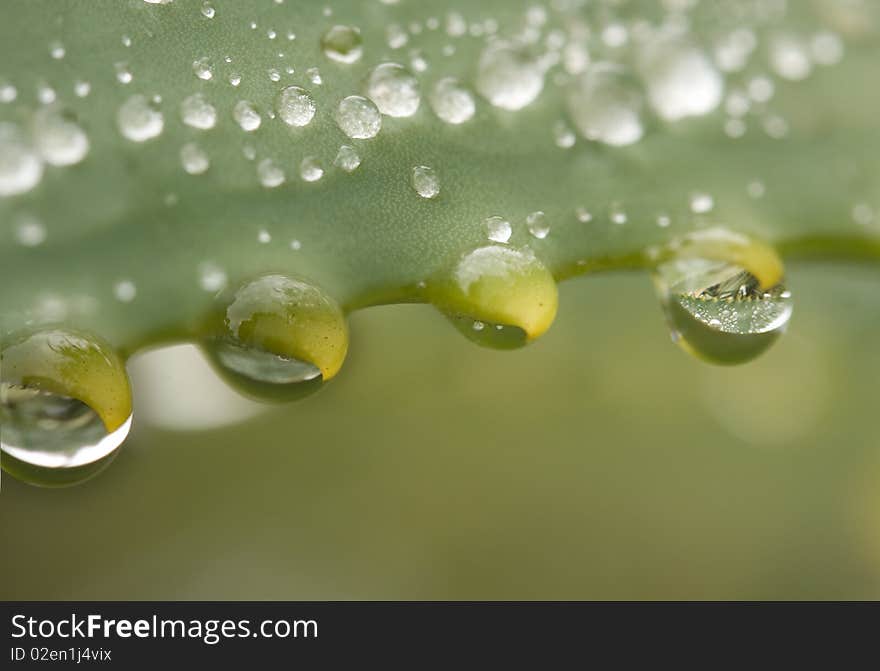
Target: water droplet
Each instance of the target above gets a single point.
(342, 44)
(509, 76)
(826, 48)
(718, 311)
(274, 75)
(234, 79)
(451, 101)
(65, 407)
(701, 203)
(194, 159)
(563, 135)
(583, 215)
(681, 81)
(394, 89)
(59, 138)
(82, 88)
(125, 291)
(605, 106)
(29, 231)
(197, 112)
(202, 68)
(538, 225)
(498, 229)
(8, 93)
(358, 118)
(139, 119)
(314, 76)
(208, 10)
(212, 278)
(790, 58)
(497, 296)
(126, 41)
(281, 338)
(425, 181)
(20, 166)
(270, 173)
(56, 50)
(347, 158)
(246, 116)
(264, 237)
(123, 74)
(396, 36)
(760, 89)
(295, 106)
(310, 170)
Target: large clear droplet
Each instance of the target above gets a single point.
(295, 106)
(358, 117)
(718, 311)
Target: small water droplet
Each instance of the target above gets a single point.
(58, 137)
(264, 237)
(8, 93)
(342, 44)
(425, 181)
(310, 169)
(29, 231)
(235, 79)
(125, 291)
(197, 112)
(139, 119)
(123, 74)
(538, 225)
(82, 88)
(583, 215)
(451, 101)
(203, 69)
(194, 159)
(701, 203)
(347, 158)
(358, 118)
(790, 58)
(295, 106)
(212, 278)
(56, 50)
(274, 75)
(270, 173)
(563, 135)
(314, 76)
(396, 36)
(509, 75)
(208, 10)
(498, 229)
(605, 106)
(246, 116)
(718, 312)
(394, 89)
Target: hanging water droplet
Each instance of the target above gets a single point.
(394, 89)
(310, 169)
(498, 229)
(194, 159)
(197, 112)
(281, 338)
(347, 158)
(718, 311)
(342, 44)
(59, 138)
(358, 118)
(538, 225)
(246, 116)
(65, 407)
(497, 296)
(425, 181)
(680, 79)
(509, 75)
(605, 106)
(270, 173)
(295, 106)
(451, 101)
(20, 166)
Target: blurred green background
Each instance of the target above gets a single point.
(600, 463)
